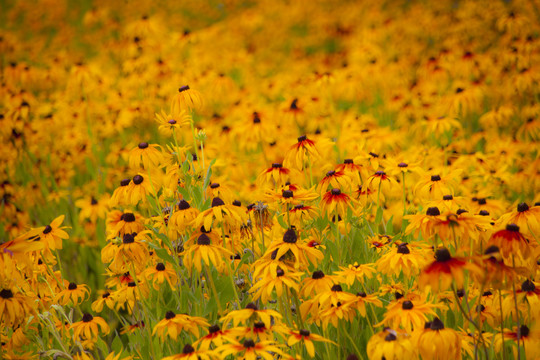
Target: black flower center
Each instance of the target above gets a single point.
(277, 166)
(214, 185)
(512, 227)
(461, 211)
(6, 294)
(482, 201)
(160, 267)
(183, 205)
(47, 229)
(403, 165)
(128, 239)
(523, 331)
(72, 286)
(125, 182)
(336, 192)
(331, 173)
(442, 255)
(380, 173)
(361, 294)
(403, 249)
(287, 194)
(249, 343)
(433, 211)
(280, 272)
(407, 305)
(203, 240)
(483, 213)
(448, 197)
(522, 207)
(348, 161)
(214, 329)
(138, 179)
(290, 236)
(217, 202)
(256, 118)
(143, 145)
(435, 178)
(170, 315)
(128, 217)
(302, 138)
(87, 318)
(390, 337)
(252, 306)
(436, 324)
(183, 88)
(317, 275)
(528, 286)
(188, 349)
(172, 121)
(337, 287)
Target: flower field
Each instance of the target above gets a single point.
(270, 180)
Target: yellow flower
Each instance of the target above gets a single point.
(307, 338)
(390, 345)
(264, 287)
(52, 235)
(186, 99)
(159, 274)
(207, 252)
(174, 324)
(88, 327)
(74, 293)
(408, 315)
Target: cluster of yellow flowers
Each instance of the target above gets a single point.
(270, 180)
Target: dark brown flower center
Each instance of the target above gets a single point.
(318, 274)
(47, 229)
(403, 249)
(336, 192)
(160, 267)
(170, 315)
(87, 318)
(522, 207)
(433, 211)
(277, 166)
(188, 349)
(512, 227)
(72, 286)
(6, 294)
(436, 324)
(287, 194)
(290, 236)
(203, 240)
(442, 255)
(528, 286)
(337, 288)
(435, 178)
(407, 305)
(125, 182)
(214, 329)
(249, 343)
(138, 179)
(304, 332)
(217, 202)
(302, 138)
(183, 205)
(127, 217)
(183, 88)
(448, 197)
(403, 165)
(128, 238)
(348, 161)
(143, 145)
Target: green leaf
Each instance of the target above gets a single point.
(281, 221)
(117, 343)
(379, 215)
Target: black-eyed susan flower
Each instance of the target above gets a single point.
(302, 214)
(406, 258)
(435, 186)
(14, 306)
(424, 223)
(89, 327)
(173, 324)
(335, 179)
(189, 353)
(170, 123)
(139, 187)
(250, 350)
(119, 194)
(52, 234)
(301, 253)
(360, 301)
(92, 209)
(126, 295)
(73, 293)
(146, 154)
(306, 338)
(390, 344)
(204, 250)
(522, 337)
(336, 202)
(276, 176)
(281, 280)
(356, 172)
(319, 282)
(161, 273)
(131, 252)
(216, 336)
(291, 195)
(437, 342)
(407, 314)
(354, 272)
(104, 299)
(187, 99)
(525, 217)
(304, 150)
(120, 223)
(230, 216)
(444, 271)
(511, 242)
(250, 314)
(183, 217)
